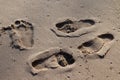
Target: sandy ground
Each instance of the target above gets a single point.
(100, 61)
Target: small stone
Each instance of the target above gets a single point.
(110, 62)
(118, 72)
(111, 68)
(68, 76)
(92, 76)
(79, 72)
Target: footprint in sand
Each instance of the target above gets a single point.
(99, 45)
(21, 35)
(55, 58)
(69, 28)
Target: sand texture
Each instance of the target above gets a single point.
(59, 40)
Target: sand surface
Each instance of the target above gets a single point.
(59, 40)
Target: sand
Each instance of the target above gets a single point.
(59, 40)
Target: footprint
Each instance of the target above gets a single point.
(55, 58)
(71, 28)
(21, 35)
(99, 45)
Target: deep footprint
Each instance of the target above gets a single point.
(48, 60)
(69, 26)
(99, 45)
(22, 35)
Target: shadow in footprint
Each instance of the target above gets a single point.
(64, 59)
(99, 45)
(51, 59)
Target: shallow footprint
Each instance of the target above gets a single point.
(22, 35)
(50, 59)
(69, 27)
(99, 45)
